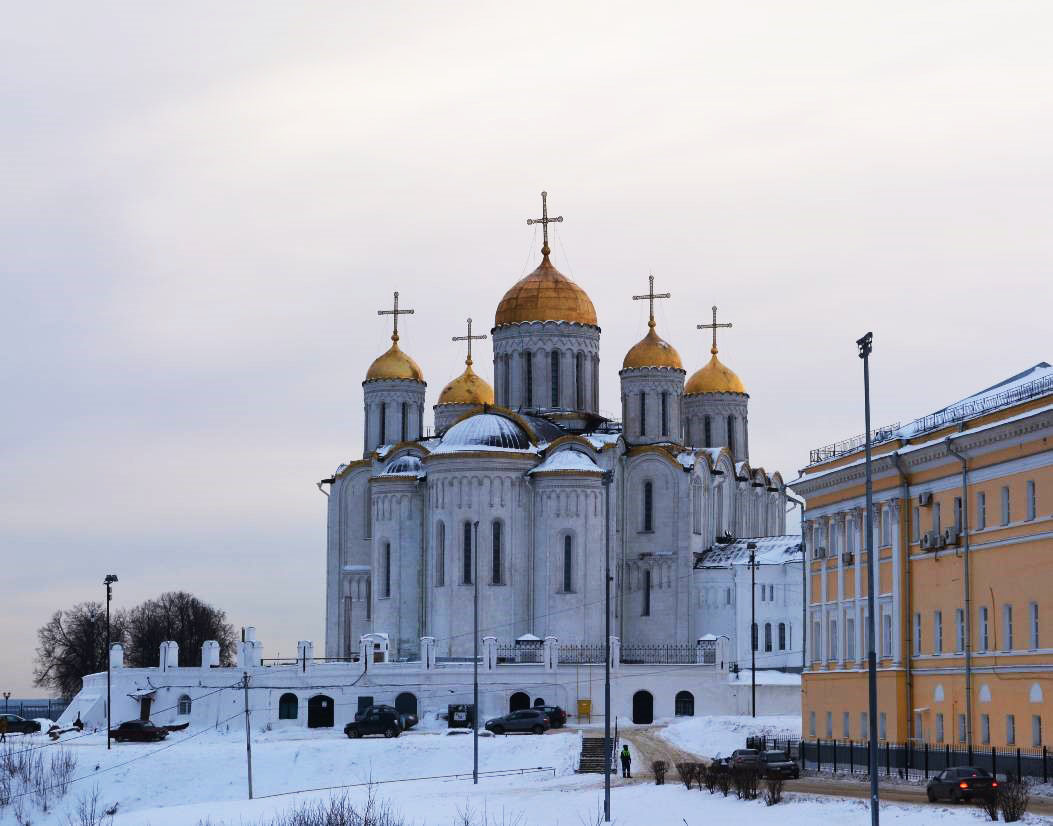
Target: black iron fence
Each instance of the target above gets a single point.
(522, 652)
(582, 654)
(49, 709)
(919, 761)
(671, 654)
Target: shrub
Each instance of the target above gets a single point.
(1013, 798)
(710, 777)
(686, 772)
(773, 790)
(989, 803)
(659, 767)
(701, 775)
(746, 781)
(723, 781)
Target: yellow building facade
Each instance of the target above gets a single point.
(963, 538)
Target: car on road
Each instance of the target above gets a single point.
(374, 720)
(557, 717)
(406, 720)
(20, 725)
(138, 731)
(776, 765)
(532, 721)
(746, 758)
(961, 783)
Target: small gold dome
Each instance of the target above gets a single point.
(394, 364)
(714, 378)
(467, 388)
(652, 351)
(545, 295)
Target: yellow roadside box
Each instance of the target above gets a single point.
(585, 710)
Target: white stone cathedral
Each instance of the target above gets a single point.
(513, 490)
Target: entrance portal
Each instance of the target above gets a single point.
(519, 701)
(320, 712)
(643, 707)
(406, 703)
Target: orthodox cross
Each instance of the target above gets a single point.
(395, 311)
(651, 296)
(469, 338)
(713, 327)
(544, 220)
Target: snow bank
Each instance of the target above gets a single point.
(719, 736)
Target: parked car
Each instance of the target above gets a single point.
(374, 720)
(775, 764)
(532, 720)
(138, 731)
(406, 720)
(557, 717)
(20, 724)
(746, 758)
(961, 783)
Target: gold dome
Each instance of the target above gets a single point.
(652, 351)
(714, 378)
(467, 388)
(545, 295)
(394, 364)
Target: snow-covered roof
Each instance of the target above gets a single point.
(405, 466)
(573, 461)
(485, 432)
(598, 440)
(687, 459)
(771, 550)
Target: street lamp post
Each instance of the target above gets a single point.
(6, 695)
(108, 582)
(754, 636)
(607, 756)
(865, 345)
(475, 658)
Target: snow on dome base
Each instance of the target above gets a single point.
(404, 466)
(567, 461)
(484, 430)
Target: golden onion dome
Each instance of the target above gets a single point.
(467, 388)
(714, 378)
(652, 351)
(394, 364)
(545, 295)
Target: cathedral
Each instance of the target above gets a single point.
(522, 487)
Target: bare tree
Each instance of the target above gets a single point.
(181, 617)
(72, 644)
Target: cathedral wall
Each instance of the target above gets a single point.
(348, 549)
(652, 383)
(384, 420)
(577, 346)
(397, 563)
(718, 407)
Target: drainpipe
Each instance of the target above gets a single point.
(804, 585)
(905, 539)
(968, 594)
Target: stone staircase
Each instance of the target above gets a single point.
(592, 758)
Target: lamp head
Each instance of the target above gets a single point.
(110, 579)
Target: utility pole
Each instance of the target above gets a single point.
(108, 582)
(752, 548)
(7, 694)
(865, 345)
(608, 475)
(248, 738)
(475, 658)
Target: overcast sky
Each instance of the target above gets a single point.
(203, 206)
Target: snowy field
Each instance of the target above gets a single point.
(189, 780)
(720, 736)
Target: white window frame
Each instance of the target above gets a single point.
(1033, 615)
(1010, 729)
(937, 632)
(1007, 627)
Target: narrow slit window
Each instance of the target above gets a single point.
(648, 505)
(568, 565)
(555, 378)
(496, 573)
(466, 556)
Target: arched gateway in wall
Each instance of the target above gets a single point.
(643, 707)
(320, 711)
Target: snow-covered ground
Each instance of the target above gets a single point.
(192, 779)
(720, 736)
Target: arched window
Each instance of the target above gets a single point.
(782, 636)
(665, 414)
(753, 636)
(643, 414)
(696, 507)
(708, 428)
(507, 362)
(528, 378)
(646, 593)
(385, 571)
(383, 423)
(731, 434)
(466, 555)
(648, 505)
(440, 554)
(405, 420)
(767, 636)
(184, 704)
(497, 575)
(288, 707)
(568, 564)
(684, 705)
(555, 378)
(579, 381)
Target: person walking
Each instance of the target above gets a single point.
(3, 729)
(626, 761)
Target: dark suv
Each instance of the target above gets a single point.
(532, 720)
(961, 783)
(557, 717)
(776, 765)
(406, 720)
(20, 724)
(375, 720)
(138, 731)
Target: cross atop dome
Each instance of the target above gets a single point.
(544, 220)
(651, 296)
(396, 312)
(713, 327)
(469, 338)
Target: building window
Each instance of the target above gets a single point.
(917, 635)
(385, 571)
(936, 517)
(846, 725)
(882, 726)
(727, 596)
(731, 434)
(961, 728)
(643, 414)
(753, 636)
(1007, 627)
(707, 428)
(696, 508)
(404, 416)
(985, 729)
(850, 638)
(1010, 729)
(915, 524)
(369, 597)
(937, 632)
(1031, 504)
(684, 704)
(1036, 729)
(984, 633)
(383, 423)
(864, 726)
(829, 724)
(579, 381)
(939, 727)
(981, 511)
(817, 653)
(528, 378)
(665, 414)
(555, 378)
(648, 506)
(886, 634)
(466, 555)
(831, 653)
(957, 513)
(440, 554)
(1005, 505)
(568, 565)
(497, 575)
(767, 636)
(959, 629)
(1033, 611)
(782, 636)
(647, 594)
(288, 707)
(811, 724)
(184, 704)
(886, 527)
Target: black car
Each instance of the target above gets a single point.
(374, 720)
(138, 731)
(20, 725)
(746, 758)
(776, 765)
(961, 783)
(532, 720)
(406, 720)
(557, 717)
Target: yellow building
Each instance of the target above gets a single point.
(963, 532)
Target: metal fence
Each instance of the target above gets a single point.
(582, 654)
(919, 761)
(49, 709)
(672, 654)
(522, 652)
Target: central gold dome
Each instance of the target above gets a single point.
(714, 378)
(545, 295)
(394, 364)
(467, 388)
(652, 351)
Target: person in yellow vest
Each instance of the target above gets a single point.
(626, 761)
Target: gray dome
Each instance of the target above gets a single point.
(484, 430)
(404, 466)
